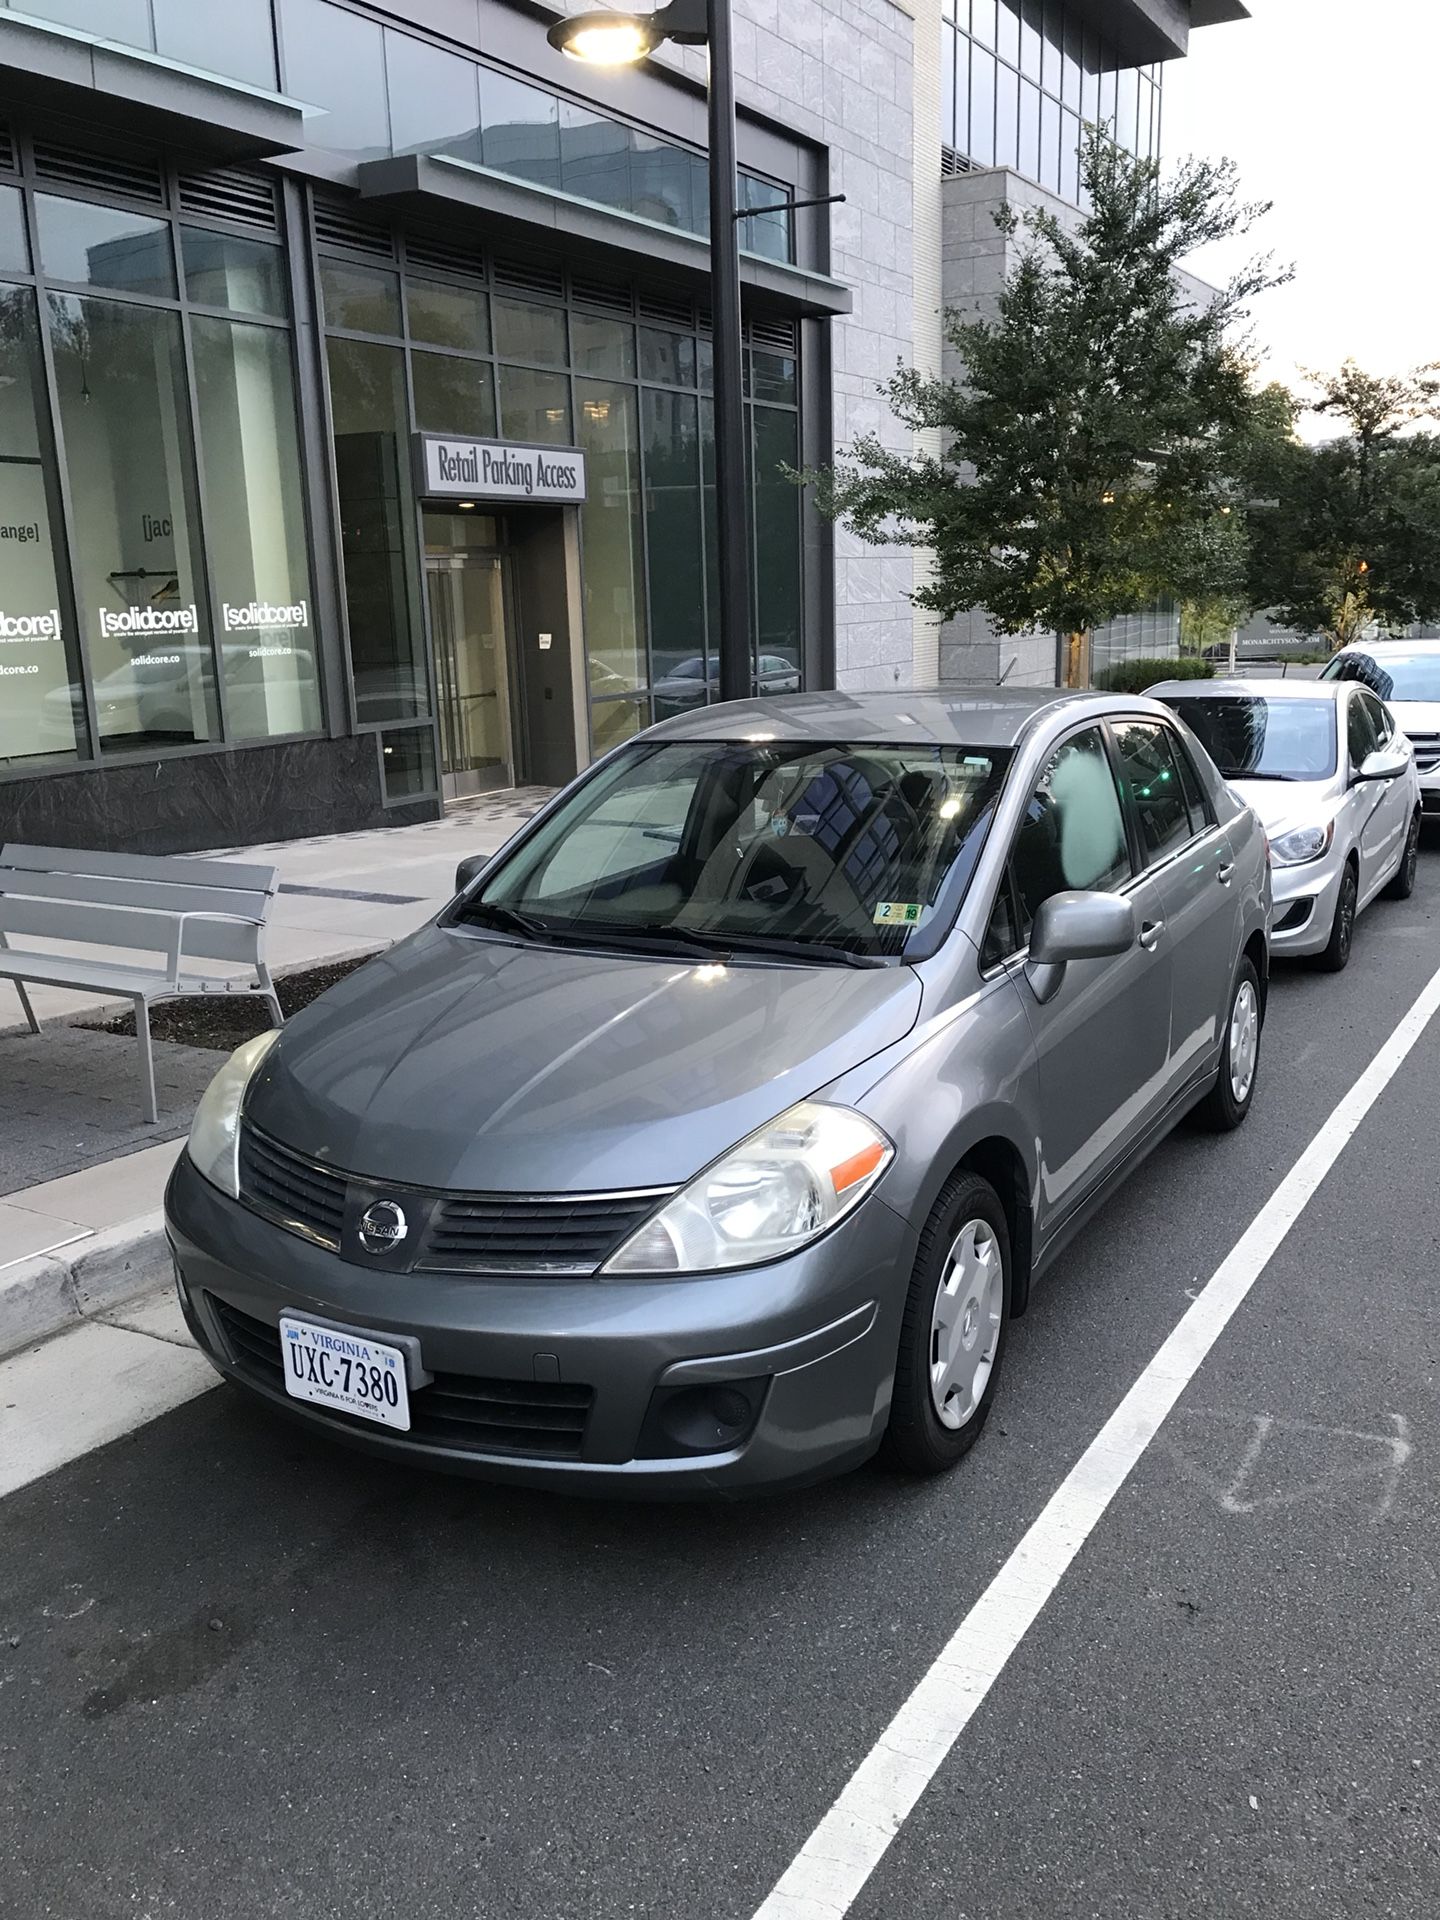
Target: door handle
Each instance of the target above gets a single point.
(1223, 874)
(1150, 934)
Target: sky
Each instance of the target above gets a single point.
(1330, 109)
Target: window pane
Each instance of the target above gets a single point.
(533, 334)
(611, 530)
(982, 21)
(1030, 38)
(1007, 31)
(1073, 834)
(446, 316)
(1069, 157)
(41, 707)
(104, 247)
(612, 721)
(775, 443)
(676, 540)
(125, 20)
(222, 270)
(407, 763)
(768, 232)
(1007, 118)
(947, 87)
(1149, 773)
(1125, 110)
(775, 377)
(334, 60)
(250, 457)
(452, 395)
(594, 156)
(536, 406)
(521, 128)
(1049, 143)
(123, 411)
(962, 94)
(1074, 45)
(668, 184)
(1029, 130)
(434, 98)
(360, 299)
(1052, 37)
(372, 468)
(1107, 99)
(1090, 79)
(982, 107)
(235, 39)
(667, 357)
(602, 346)
(14, 253)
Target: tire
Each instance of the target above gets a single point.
(1403, 884)
(1336, 956)
(1228, 1101)
(965, 1233)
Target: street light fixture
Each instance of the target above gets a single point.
(620, 39)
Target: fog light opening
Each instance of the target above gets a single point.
(710, 1417)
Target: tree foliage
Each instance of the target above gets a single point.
(1352, 536)
(1090, 454)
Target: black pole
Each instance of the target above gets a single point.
(732, 514)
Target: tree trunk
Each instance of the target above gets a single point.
(1077, 659)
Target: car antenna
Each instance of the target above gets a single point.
(1012, 663)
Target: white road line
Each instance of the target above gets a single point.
(827, 1874)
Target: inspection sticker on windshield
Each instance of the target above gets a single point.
(897, 913)
(345, 1372)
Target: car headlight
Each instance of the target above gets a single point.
(1304, 843)
(214, 1144)
(783, 1187)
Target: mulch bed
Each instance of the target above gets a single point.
(226, 1020)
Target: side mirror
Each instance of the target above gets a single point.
(1385, 763)
(1076, 926)
(468, 868)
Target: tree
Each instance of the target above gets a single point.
(1091, 451)
(1353, 535)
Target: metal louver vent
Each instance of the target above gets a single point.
(526, 276)
(952, 163)
(62, 164)
(8, 159)
(671, 309)
(779, 334)
(339, 225)
(443, 256)
(230, 193)
(607, 294)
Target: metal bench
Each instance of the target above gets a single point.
(180, 913)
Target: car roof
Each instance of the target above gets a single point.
(1376, 649)
(952, 716)
(1327, 690)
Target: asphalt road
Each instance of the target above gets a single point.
(244, 1673)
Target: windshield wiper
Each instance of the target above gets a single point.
(684, 946)
(1267, 776)
(491, 913)
(820, 952)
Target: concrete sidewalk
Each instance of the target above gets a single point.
(76, 1247)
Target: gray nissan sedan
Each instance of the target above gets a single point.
(712, 1135)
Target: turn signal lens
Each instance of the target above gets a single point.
(783, 1187)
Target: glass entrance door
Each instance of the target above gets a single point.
(466, 589)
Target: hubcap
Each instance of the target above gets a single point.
(965, 1323)
(1244, 1041)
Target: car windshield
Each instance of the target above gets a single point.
(825, 852)
(1264, 736)
(1394, 675)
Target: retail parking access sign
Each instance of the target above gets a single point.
(449, 467)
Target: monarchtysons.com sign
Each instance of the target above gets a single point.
(450, 467)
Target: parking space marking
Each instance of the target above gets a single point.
(828, 1873)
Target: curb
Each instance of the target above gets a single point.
(52, 1291)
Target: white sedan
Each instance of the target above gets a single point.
(1405, 674)
(1333, 780)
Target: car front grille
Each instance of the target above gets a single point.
(461, 1412)
(1427, 751)
(480, 1233)
(510, 1233)
(290, 1190)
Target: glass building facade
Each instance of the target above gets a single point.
(1021, 78)
(214, 536)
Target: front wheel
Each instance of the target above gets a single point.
(1228, 1101)
(952, 1337)
(1336, 956)
(1402, 885)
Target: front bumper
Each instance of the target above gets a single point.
(1430, 791)
(1304, 905)
(813, 1338)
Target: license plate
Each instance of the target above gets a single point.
(345, 1372)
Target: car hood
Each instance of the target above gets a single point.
(1285, 804)
(1416, 716)
(460, 1062)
